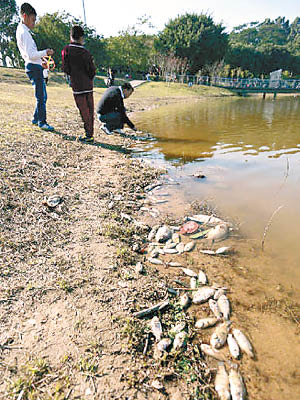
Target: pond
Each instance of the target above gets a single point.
(248, 149)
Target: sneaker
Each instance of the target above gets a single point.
(120, 131)
(86, 139)
(34, 122)
(106, 130)
(46, 127)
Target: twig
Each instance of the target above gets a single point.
(268, 226)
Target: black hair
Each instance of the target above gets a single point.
(27, 9)
(127, 86)
(77, 32)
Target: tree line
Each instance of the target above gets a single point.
(189, 43)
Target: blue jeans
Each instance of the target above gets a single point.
(112, 120)
(35, 74)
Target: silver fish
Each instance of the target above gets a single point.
(243, 342)
(179, 340)
(222, 383)
(189, 246)
(189, 272)
(205, 219)
(176, 238)
(203, 294)
(164, 344)
(193, 283)
(139, 268)
(154, 253)
(180, 247)
(233, 346)
(218, 233)
(222, 250)
(209, 351)
(210, 252)
(170, 244)
(206, 322)
(213, 305)
(170, 251)
(174, 264)
(184, 300)
(224, 306)
(237, 388)
(155, 261)
(156, 328)
(163, 234)
(202, 278)
(218, 338)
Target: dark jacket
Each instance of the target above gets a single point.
(112, 101)
(78, 63)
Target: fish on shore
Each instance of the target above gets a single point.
(179, 340)
(202, 278)
(155, 261)
(218, 233)
(152, 233)
(218, 338)
(180, 247)
(219, 293)
(209, 351)
(174, 264)
(203, 294)
(163, 234)
(189, 246)
(193, 282)
(184, 300)
(206, 322)
(189, 272)
(222, 383)
(205, 219)
(237, 387)
(233, 346)
(224, 306)
(213, 305)
(243, 342)
(170, 251)
(164, 344)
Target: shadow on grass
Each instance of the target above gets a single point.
(112, 147)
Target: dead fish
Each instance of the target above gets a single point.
(161, 251)
(218, 338)
(170, 251)
(243, 342)
(222, 383)
(184, 300)
(174, 264)
(164, 344)
(154, 253)
(210, 252)
(170, 244)
(156, 328)
(222, 250)
(206, 322)
(180, 247)
(178, 328)
(203, 294)
(163, 234)
(179, 340)
(189, 272)
(237, 388)
(189, 246)
(233, 346)
(176, 238)
(213, 305)
(155, 261)
(53, 201)
(219, 293)
(156, 384)
(126, 216)
(152, 233)
(193, 283)
(202, 278)
(224, 306)
(218, 233)
(209, 351)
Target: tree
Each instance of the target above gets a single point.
(8, 26)
(194, 37)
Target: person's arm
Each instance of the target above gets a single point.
(91, 69)
(30, 49)
(120, 107)
(65, 61)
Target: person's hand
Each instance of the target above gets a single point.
(134, 129)
(50, 52)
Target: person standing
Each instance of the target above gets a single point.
(33, 63)
(111, 110)
(78, 64)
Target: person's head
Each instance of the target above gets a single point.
(77, 34)
(28, 15)
(127, 89)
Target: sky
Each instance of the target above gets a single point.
(110, 17)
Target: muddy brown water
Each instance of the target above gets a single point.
(249, 151)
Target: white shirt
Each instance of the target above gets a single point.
(121, 90)
(27, 46)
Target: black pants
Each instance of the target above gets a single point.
(112, 120)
